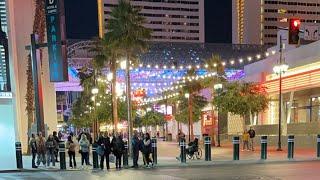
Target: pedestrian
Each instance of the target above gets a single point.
(33, 148)
(104, 142)
(71, 146)
(50, 146)
(252, 134)
(245, 140)
(117, 145)
(136, 147)
(41, 149)
(84, 150)
(147, 148)
(56, 150)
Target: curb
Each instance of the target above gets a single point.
(184, 165)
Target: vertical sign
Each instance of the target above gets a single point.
(56, 40)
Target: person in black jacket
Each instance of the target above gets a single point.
(252, 134)
(117, 145)
(56, 150)
(33, 146)
(104, 142)
(147, 148)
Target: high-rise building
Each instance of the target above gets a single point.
(257, 21)
(170, 20)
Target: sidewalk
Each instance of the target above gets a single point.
(168, 151)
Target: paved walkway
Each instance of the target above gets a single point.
(168, 151)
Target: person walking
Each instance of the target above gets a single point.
(245, 140)
(33, 148)
(56, 149)
(84, 150)
(104, 142)
(252, 134)
(117, 145)
(50, 146)
(41, 149)
(71, 146)
(136, 146)
(147, 148)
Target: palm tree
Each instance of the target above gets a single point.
(128, 35)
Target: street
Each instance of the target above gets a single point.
(278, 171)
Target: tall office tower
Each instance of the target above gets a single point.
(170, 20)
(257, 21)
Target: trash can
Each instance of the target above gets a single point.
(169, 137)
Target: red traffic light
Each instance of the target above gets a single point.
(294, 28)
(296, 23)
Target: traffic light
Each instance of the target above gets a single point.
(294, 27)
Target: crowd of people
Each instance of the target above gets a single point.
(110, 148)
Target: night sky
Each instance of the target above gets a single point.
(81, 19)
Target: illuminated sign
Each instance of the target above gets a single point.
(55, 37)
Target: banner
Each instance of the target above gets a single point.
(58, 63)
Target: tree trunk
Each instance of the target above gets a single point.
(114, 99)
(190, 118)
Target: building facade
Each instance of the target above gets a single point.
(257, 21)
(300, 94)
(170, 20)
(16, 23)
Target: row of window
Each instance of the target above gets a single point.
(170, 8)
(174, 23)
(176, 38)
(270, 35)
(292, 3)
(286, 20)
(291, 11)
(170, 1)
(161, 15)
(176, 30)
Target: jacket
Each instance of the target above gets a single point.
(105, 143)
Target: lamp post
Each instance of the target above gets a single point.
(187, 95)
(109, 78)
(125, 65)
(94, 92)
(280, 69)
(218, 88)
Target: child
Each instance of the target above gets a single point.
(245, 140)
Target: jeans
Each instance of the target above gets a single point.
(118, 160)
(34, 154)
(41, 158)
(50, 158)
(107, 161)
(245, 145)
(85, 158)
(72, 156)
(56, 153)
(251, 144)
(135, 158)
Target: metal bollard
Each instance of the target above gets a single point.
(207, 148)
(19, 155)
(290, 146)
(95, 156)
(264, 145)
(154, 150)
(62, 154)
(125, 155)
(318, 145)
(183, 151)
(236, 145)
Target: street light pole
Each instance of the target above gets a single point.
(280, 69)
(187, 95)
(128, 97)
(218, 88)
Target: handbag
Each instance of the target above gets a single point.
(112, 158)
